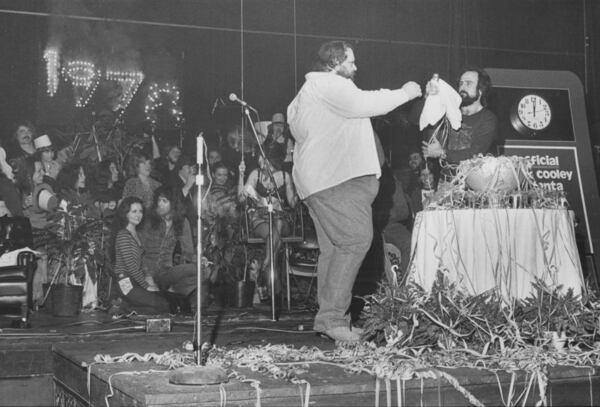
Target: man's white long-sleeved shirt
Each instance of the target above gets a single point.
(329, 119)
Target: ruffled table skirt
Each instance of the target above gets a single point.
(496, 249)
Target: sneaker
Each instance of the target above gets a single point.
(343, 334)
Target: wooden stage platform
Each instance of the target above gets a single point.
(52, 364)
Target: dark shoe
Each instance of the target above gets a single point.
(342, 334)
(176, 302)
(20, 324)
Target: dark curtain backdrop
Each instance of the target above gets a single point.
(198, 44)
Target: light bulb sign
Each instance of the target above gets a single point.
(163, 96)
(52, 70)
(84, 77)
(129, 81)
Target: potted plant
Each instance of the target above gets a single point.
(223, 247)
(74, 257)
(550, 316)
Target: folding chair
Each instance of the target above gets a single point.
(301, 256)
(296, 235)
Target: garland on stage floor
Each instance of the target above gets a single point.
(413, 335)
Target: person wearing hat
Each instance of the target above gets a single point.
(278, 133)
(267, 184)
(46, 155)
(44, 202)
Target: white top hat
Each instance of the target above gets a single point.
(42, 142)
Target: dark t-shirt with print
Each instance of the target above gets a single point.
(476, 135)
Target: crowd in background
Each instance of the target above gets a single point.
(146, 195)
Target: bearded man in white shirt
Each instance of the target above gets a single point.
(336, 173)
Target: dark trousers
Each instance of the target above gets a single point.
(144, 301)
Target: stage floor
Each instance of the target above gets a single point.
(64, 349)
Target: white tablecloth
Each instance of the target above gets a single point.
(504, 249)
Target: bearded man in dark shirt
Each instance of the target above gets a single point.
(479, 128)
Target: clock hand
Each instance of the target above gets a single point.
(534, 107)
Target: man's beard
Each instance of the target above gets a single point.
(467, 100)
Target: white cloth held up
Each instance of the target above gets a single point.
(446, 102)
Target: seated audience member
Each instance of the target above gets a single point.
(22, 140)
(71, 186)
(51, 167)
(278, 133)
(416, 162)
(20, 148)
(185, 185)
(167, 164)
(43, 202)
(135, 286)
(46, 154)
(257, 192)
(165, 229)
(214, 156)
(221, 199)
(408, 174)
(10, 197)
(43, 198)
(231, 152)
(5, 167)
(141, 185)
(106, 179)
(415, 159)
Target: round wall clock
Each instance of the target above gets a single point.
(531, 114)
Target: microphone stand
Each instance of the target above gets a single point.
(269, 210)
(199, 374)
(116, 123)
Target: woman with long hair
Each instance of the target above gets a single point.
(221, 199)
(136, 287)
(166, 229)
(71, 183)
(268, 184)
(107, 179)
(43, 202)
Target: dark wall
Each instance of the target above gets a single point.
(199, 44)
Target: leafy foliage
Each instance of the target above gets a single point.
(223, 247)
(447, 318)
(74, 244)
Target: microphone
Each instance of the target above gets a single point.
(233, 97)
(214, 107)
(200, 149)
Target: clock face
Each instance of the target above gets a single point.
(534, 112)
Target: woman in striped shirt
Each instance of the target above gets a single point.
(137, 289)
